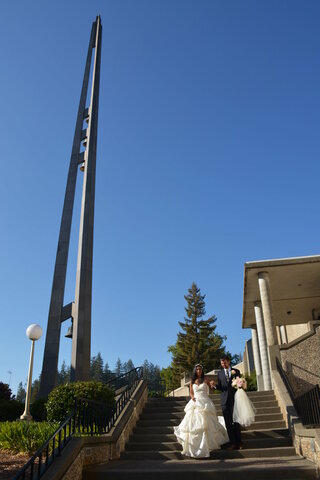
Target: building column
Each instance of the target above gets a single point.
(265, 367)
(245, 363)
(257, 359)
(270, 328)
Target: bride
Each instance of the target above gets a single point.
(200, 430)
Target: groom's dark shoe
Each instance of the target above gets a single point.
(232, 447)
(240, 446)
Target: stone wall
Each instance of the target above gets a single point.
(305, 440)
(300, 362)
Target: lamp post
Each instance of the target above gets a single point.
(33, 332)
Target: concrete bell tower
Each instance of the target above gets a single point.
(83, 155)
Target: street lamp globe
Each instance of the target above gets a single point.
(34, 332)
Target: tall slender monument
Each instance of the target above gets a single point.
(80, 310)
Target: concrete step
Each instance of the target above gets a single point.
(158, 414)
(285, 468)
(274, 452)
(174, 445)
(166, 407)
(265, 425)
(246, 435)
(175, 419)
(266, 393)
(254, 396)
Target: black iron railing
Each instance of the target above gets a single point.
(285, 380)
(157, 388)
(307, 404)
(125, 379)
(88, 418)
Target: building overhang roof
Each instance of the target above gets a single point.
(294, 285)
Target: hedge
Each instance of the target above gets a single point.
(61, 399)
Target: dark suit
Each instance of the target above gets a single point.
(227, 404)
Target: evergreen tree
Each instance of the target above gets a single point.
(197, 342)
(63, 374)
(119, 368)
(127, 366)
(236, 358)
(35, 387)
(151, 372)
(96, 368)
(21, 393)
(171, 376)
(107, 374)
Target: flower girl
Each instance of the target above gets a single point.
(244, 410)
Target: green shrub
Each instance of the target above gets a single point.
(10, 410)
(62, 398)
(38, 410)
(25, 437)
(155, 394)
(251, 382)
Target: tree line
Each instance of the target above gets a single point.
(99, 371)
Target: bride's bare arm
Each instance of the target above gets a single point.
(191, 392)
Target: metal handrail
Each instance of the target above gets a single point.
(122, 380)
(285, 379)
(307, 405)
(89, 417)
(160, 387)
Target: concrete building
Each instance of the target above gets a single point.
(281, 306)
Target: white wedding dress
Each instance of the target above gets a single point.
(200, 431)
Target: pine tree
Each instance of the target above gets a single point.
(119, 368)
(127, 366)
(151, 372)
(35, 387)
(171, 376)
(21, 393)
(107, 374)
(96, 368)
(63, 374)
(197, 342)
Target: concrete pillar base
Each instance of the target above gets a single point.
(274, 352)
(260, 383)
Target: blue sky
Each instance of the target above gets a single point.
(208, 156)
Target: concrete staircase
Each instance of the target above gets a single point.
(153, 453)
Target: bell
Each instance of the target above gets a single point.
(84, 143)
(82, 167)
(69, 332)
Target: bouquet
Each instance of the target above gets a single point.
(239, 383)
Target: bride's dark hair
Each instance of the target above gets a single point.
(194, 373)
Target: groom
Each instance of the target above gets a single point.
(225, 377)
